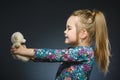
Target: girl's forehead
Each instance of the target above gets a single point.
(72, 20)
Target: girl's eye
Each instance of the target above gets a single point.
(69, 28)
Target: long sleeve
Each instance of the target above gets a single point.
(75, 54)
(76, 63)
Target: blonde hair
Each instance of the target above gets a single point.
(95, 24)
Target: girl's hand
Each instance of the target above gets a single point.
(18, 50)
(22, 51)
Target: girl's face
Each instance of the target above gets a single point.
(70, 32)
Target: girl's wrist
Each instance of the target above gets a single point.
(34, 54)
(31, 52)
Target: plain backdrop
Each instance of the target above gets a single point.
(43, 22)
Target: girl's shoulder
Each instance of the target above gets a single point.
(82, 48)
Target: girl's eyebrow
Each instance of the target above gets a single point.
(68, 26)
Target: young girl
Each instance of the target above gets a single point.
(86, 32)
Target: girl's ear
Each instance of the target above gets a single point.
(83, 34)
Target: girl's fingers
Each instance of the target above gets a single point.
(13, 50)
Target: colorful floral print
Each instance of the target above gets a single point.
(76, 62)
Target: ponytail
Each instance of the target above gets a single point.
(102, 49)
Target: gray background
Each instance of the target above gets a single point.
(43, 22)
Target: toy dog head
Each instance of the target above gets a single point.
(17, 37)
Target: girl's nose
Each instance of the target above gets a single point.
(65, 32)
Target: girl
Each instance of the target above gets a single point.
(86, 32)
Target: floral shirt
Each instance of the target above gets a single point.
(76, 62)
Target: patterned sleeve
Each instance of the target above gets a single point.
(63, 55)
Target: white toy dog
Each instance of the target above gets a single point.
(17, 39)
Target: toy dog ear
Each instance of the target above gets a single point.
(24, 40)
(13, 38)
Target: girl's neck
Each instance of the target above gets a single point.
(83, 44)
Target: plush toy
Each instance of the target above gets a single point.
(17, 39)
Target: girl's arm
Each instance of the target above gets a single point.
(60, 55)
(29, 52)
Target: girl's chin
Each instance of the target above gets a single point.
(66, 42)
